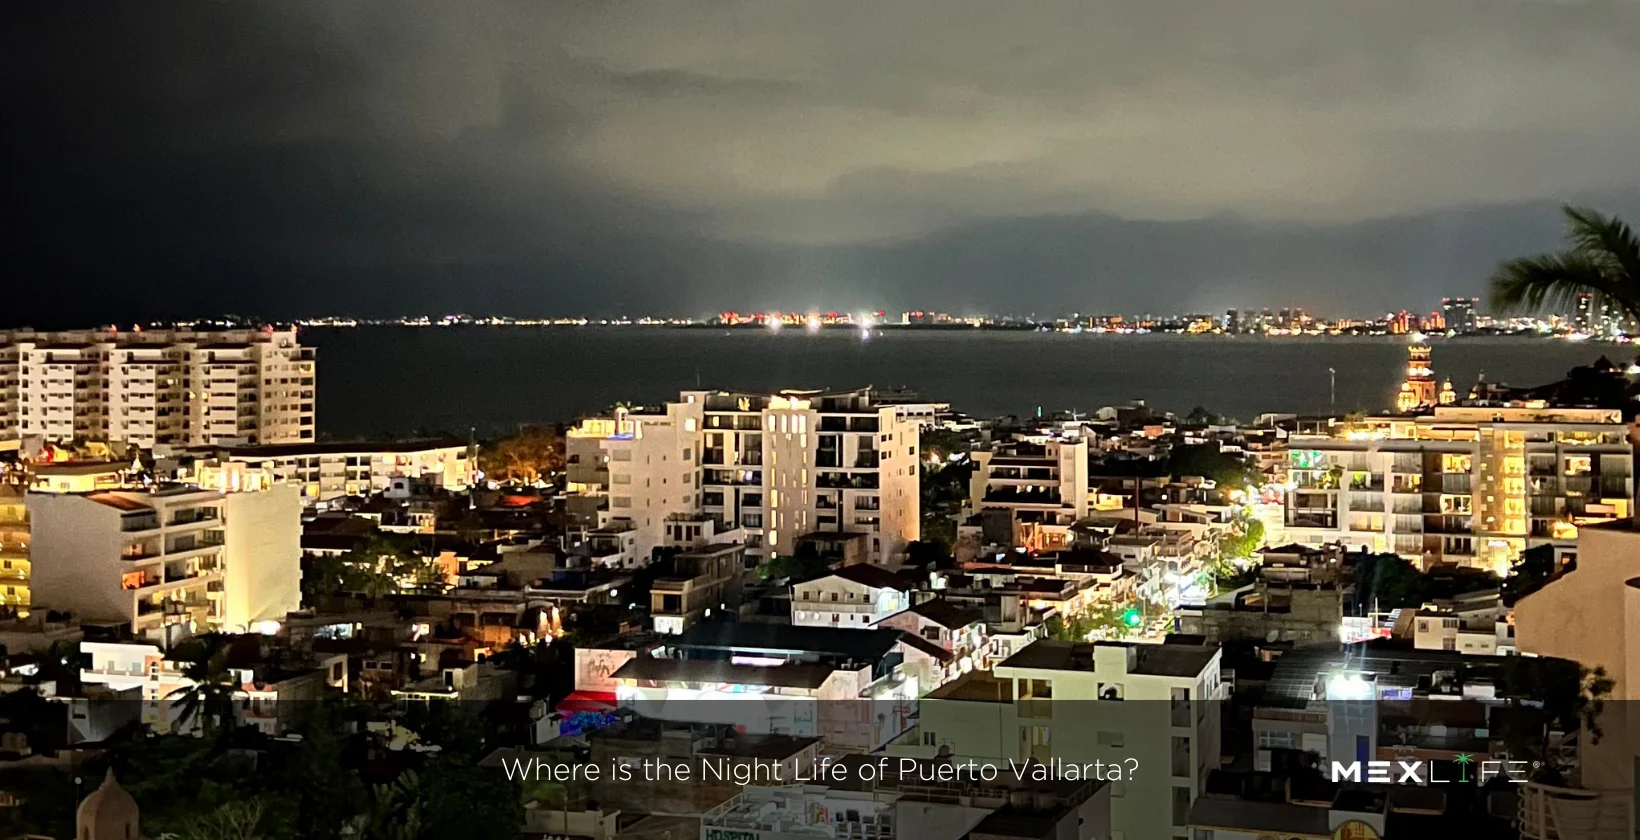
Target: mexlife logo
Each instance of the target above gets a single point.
(1424, 772)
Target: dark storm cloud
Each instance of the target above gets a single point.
(295, 158)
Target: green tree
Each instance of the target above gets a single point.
(393, 811)
(1107, 620)
(450, 788)
(60, 664)
(380, 564)
(1388, 581)
(324, 793)
(1546, 696)
(535, 454)
(208, 700)
(1244, 537)
(805, 564)
(243, 819)
(1209, 461)
(1532, 569)
(449, 797)
(1200, 416)
(940, 444)
(928, 553)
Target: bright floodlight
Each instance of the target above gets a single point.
(1348, 687)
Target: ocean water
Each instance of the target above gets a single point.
(400, 381)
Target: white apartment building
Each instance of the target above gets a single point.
(1041, 480)
(324, 472)
(654, 474)
(780, 466)
(270, 700)
(1470, 485)
(1106, 701)
(157, 387)
(171, 562)
(853, 596)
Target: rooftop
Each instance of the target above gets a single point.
(1149, 660)
(80, 468)
(977, 687)
(283, 450)
(865, 645)
(1293, 683)
(946, 614)
(866, 574)
(700, 671)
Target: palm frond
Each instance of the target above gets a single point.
(1609, 241)
(1601, 262)
(1553, 281)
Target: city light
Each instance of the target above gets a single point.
(1343, 686)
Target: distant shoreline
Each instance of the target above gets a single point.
(954, 328)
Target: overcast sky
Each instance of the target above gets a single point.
(554, 157)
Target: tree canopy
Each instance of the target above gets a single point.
(1209, 461)
(378, 565)
(534, 454)
(805, 564)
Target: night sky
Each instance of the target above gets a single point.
(174, 159)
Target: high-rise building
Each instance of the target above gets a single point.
(173, 562)
(157, 387)
(781, 466)
(1459, 313)
(1588, 313)
(1472, 485)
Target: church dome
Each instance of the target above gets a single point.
(109, 813)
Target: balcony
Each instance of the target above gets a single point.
(1556, 813)
(1016, 495)
(139, 522)
(867, 481)
(191, 516)
(1455, 484)
(139, 552)
(1448, 525)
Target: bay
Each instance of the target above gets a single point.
(396, 381)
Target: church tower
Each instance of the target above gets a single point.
(1419, 389)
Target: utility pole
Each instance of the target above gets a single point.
(1332, 391)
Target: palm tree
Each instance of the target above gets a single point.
(61, 663)
(1601, 260)
(1600, 263)
(209, 699)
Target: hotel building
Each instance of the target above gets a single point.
(170, 562)
(780, 466)
(1473, 485)
(158, 387)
